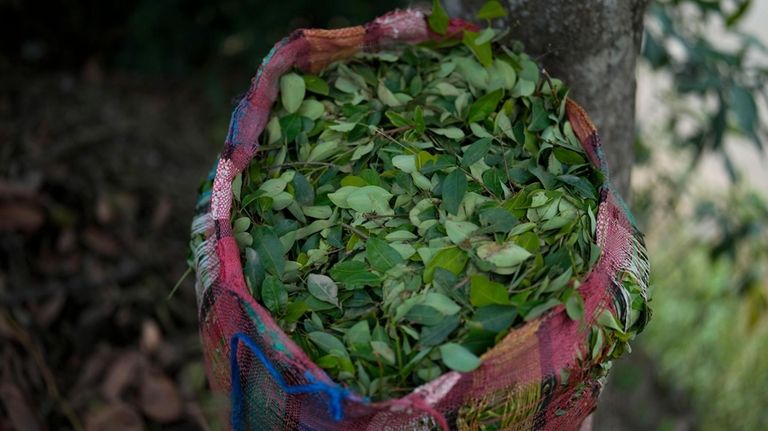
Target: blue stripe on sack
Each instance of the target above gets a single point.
(336, 393)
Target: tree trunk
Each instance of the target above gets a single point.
(592, 45)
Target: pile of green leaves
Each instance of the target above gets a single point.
(407, 209)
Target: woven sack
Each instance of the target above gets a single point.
(542, 375)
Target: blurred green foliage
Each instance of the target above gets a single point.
(710, 329)
(715, 86)
(709, 253)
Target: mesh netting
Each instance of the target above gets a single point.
(542, 375)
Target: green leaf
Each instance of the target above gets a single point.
(506, 74)
(452, 259)
(273, 131)
(476, 151)
(316, 84)
(416, 85)
(530, 70)
(560, 282)
(494, 317)
(441, 303)
(400, 235)
(305, 194)
(482, 51)
(243, 239)
(362, 150)
(418, 119)
(574, 306)
(380, 255)
(328, 343)
(386, 96)
(346, 85)
(424, 315)
(291, 125)
(491, 9)
(473, 72)
(423, 157)
(539, 116)
(237, 186)
(485, 36)
(405, 162)
(292, 89)
(483, 291)
(478, 340)
(483, 107)
(318, 212)
(295, 310)
(328, 362)
(311, 109)
(340, 196)
(397, 119)
(497, 220)
(370, 199)
(253, 270)
(274, 296)
(524, 88)
(608, 320)
(438, 19)
(459, 231)
(354, 273)
(313, 228)
(383, 351)
(241, 224)
(323, 288)
(342, 126)
(450, 132)
(446, 281)
(479, 131)
(541, 309)
(454, 188)
(504, 255)
(492, 179)
(359, 335)
(567, 156)
(273, 187)
(436, 334)
(270, 250)
(580, 184)
(458, 358)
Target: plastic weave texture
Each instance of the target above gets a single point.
(540, 376)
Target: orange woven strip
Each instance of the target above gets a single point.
(327, 46)
(582, 125)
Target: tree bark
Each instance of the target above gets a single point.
(592, 45)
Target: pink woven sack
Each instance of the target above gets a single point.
(546, 374)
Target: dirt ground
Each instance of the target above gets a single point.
(98, 177)
(97, 184)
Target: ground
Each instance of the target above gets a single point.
(96, 193)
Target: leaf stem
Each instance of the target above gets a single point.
(391, 132)
(355, 230)
(551, 86)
